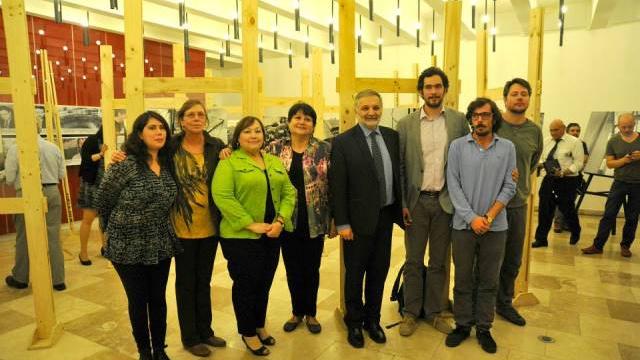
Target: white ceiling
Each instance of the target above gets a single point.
(209, 20)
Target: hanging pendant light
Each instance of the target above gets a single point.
(57, 10)
(371, 10)
(290, 52)
(433, 34)
(185, 30)
(260, 51)
(275, 34)
(494, 29)
(473, 14)
(331, 25)
(380, 44)
(418, 27)
(562, 10)
(236, 25)
(85, 31)
(359, 33)
(182, 10)
(221, 53)
(296, 7)
(227, 42)
(333, 53)
(306, 44)
(398, 20)
(113, 4)
(485, 16)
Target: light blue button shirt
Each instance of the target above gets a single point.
(52, 166)
(386, 160)
(478, 177)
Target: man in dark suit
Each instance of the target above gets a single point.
(365, 200)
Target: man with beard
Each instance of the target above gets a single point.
(425, 136)
(623, 155)
(527, 138)
(480, 183)
(563, 159)
(364, 181)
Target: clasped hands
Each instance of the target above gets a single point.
(271, 230)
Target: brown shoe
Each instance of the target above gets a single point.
(591, 250)
(215, 341)
(199, 350)
(624, 251)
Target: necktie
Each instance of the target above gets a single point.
(377, 161)
(553, 150)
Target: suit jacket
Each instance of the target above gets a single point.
(411, 159)
(353, 183)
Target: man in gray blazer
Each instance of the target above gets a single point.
(425, 136)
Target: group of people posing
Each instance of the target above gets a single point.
(450, 180)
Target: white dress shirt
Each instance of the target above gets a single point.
(433, 139)
(569, 153)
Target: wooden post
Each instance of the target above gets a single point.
(347, 63)
(536, 37)
(452, 23)
(250, 98)
(481, 62)
(134, 60)
(179, 70)
(416, 96)
(317, 91)
(396, 95)
(109, 136)
(48, 330)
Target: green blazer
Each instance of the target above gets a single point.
(239, 189)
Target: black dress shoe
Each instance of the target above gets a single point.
(145, 355)
(291, 324)
(486, 341)
(60, 287)
(538, 243)
(12, 282)
(376, 333)
(215, 341)
(511, 315)
(269, 340)
(457, 336)
(84, 262)
(574, 239)
(355, 337)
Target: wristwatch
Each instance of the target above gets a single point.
(489, 219)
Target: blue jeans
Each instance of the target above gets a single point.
(619, 191)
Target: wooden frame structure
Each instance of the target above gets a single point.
(32, 203)
(523, 296)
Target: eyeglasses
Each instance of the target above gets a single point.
(483, 115)
(193, 115)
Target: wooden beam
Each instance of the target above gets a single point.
(416, 96)
(536, 36)
(250, 88)
(304, 84)
(600, 13)
(269, 101)
(194, 85)
(440, 8)
(481, 62)
(317, 91)
(48, 330)
(134, 60)
(382, 85)
(452, 24)
(11, 206)
(109, 136)
(179, 71)
(494, 94)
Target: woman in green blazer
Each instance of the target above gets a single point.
(253, 192)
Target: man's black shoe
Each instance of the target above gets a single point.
(60, 287)
(538, 243)
(12, 282)
(355, 337)
(511, 315)
(486, 341)
(457, 336)
(574, 239)
(376, 333)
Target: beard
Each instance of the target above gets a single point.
(434, 103)
(518, 111)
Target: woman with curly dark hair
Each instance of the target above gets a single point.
(134, 202)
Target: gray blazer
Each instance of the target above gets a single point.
(411, 166)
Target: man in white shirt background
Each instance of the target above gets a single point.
(563, 158)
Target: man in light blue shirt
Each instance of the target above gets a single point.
(52, 170)
(480, 183)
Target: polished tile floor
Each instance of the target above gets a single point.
(590, 306)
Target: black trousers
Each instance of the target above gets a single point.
(252, 264)
(193, 291)
(619, 191)
(557, 192)
(367, 256)
(301, 255)
(146, 286)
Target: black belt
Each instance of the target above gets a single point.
(430, 193)
(52, 184)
